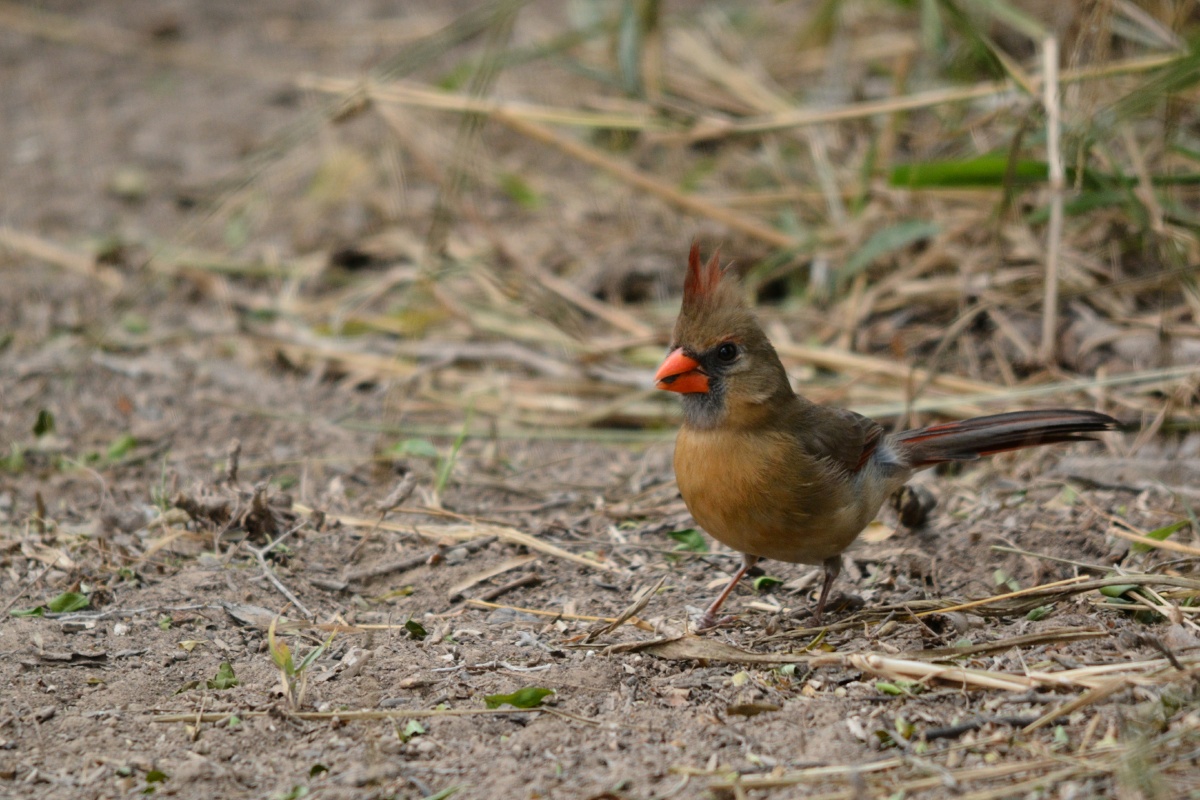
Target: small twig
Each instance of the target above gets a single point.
(397, 497)
(629, 613)
(129, 612)
(490, 665)
(1050, 99)
(199, 715)
(233, 456)
(1093, 695)
(33, 246)
(1008, 595)
(1031, 554)
(954, 731)
(541, 612)
(412, 562)
(476, 527)
(260, 553)
(1158, 645)
(414, 713)
(456, 592)
(531, 579)
(28, 585)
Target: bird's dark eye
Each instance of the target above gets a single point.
(727, 352)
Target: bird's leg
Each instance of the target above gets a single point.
(709, 619)
(833, 566)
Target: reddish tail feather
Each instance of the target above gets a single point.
(984, 436)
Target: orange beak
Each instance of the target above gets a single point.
(679, 373)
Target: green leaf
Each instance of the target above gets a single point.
(982, 172)
(44, 423)
(765, 583)
(135, 323)
(888, 240)
(415, 629)
(67, 602)
(1116, 590)
(1159, 534)
(1177, 77)
(121, 447)
(1041, 612)
(14, 462)
(224, 679)
(413, 728)
(315, 653)
(1001, 578)
(36, 611)
(690, 541)
(885, 738)
(281, 654)
(529, 697)
(443, 794)
(900, 688)
(517, 188)
(156, 776)
(417, 448)
(446, 467)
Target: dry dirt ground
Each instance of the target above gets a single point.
(141, 389)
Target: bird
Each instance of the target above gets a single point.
(773, 475)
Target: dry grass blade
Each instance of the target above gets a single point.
(462, 533)
(1054, 232)
(643, 181)
(410, 94)
(457, 589)
(920, 671)
(935, 97)
(1090, 697)
(813, 774)
(41, 249)
(845, 361)
(365, 714)
(1002, 605)
(1056, 636)
(1158, 544)
(630, 612)
(540, 612)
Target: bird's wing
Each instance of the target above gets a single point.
(839, 435)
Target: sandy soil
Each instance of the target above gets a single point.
(149, 382)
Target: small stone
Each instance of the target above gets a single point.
(456, 555)
(129, 183)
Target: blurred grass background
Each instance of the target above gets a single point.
(944, 207)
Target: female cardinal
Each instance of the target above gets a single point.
(774, 475)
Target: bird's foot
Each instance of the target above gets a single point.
(842, 601)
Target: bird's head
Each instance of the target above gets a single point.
(719, 358)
